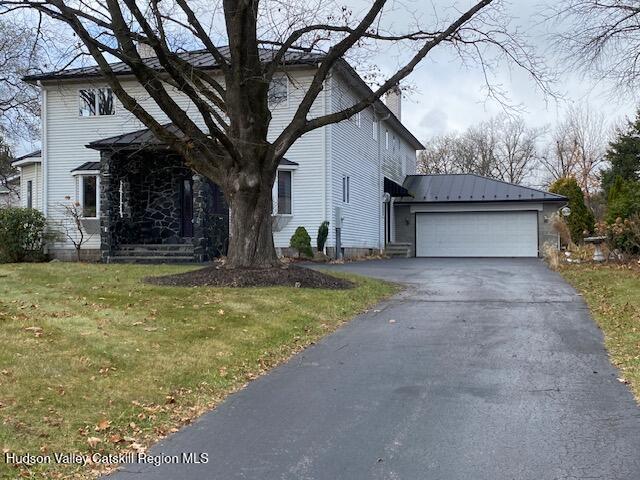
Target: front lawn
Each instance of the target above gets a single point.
(91, 359)
(613, 295)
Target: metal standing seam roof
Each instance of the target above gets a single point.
(465, 188)
(202, 59)
(144, 138)
(87, 166)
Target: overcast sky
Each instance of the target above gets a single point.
(450, 97)
(446, 96)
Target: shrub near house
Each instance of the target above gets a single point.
(301, 241)
(22, 235)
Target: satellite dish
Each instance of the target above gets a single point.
(566, 211)
(386, 198)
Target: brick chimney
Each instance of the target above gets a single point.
(393, 100)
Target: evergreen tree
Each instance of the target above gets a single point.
(581, 219)
(624, 156)
(624, 199)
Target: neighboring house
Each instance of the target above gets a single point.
(10, 192)
(140, 200)
(30, 166)
(472, 216)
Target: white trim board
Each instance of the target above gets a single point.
(475, 207)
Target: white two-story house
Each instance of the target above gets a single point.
(139, 200)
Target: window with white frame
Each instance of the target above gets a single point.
(96, 102)
(346, 181)
(283, 193)
(278, 91)
(386, 139)
(374, 132)
(89, 195)
(357, 118)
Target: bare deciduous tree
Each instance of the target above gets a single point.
(232, 149)
(517, 155)
(502, 147)
(602, 38)
(19, 102)
(578, 149)
(72, 227)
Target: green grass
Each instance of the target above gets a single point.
(613, 296)
(89, 352)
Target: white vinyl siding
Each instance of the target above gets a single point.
(31, 173)
(356, 153)
(67, 135)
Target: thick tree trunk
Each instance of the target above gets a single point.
(250, 233)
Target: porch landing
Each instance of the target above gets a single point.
(150, 253)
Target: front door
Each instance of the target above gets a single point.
(186, 194)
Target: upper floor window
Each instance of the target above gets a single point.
(96, 101)
(386, 139)
(374, 132)
(278, 91)
(346, 187)
(357, 118)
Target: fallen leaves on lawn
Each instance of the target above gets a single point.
(37, 331)
(102, 425)
(93, 441)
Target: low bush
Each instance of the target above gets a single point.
(22, 235)
(623, 235)
(301, 241)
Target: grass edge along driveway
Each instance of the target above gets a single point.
(612, 293)
(93, 360)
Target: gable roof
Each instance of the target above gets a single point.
(458, 188)
(201, 59)
(204, 60)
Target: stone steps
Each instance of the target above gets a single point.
(398, 250)
(147, 253)
(150, 259)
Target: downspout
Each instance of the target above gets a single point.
(381, 208)
(327, 159)
(392, 221)
(45, 156)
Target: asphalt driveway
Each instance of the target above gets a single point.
(482, 369)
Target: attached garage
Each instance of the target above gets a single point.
(473, 216)
(477, 234)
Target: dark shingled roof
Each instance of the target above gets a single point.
(470, 188)
(202, 59)
(87, 166)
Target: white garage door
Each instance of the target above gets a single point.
(477, 234)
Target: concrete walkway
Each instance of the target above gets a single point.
(482, 369)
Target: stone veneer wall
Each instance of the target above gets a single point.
(151, 209)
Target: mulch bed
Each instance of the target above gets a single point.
(286, 276)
